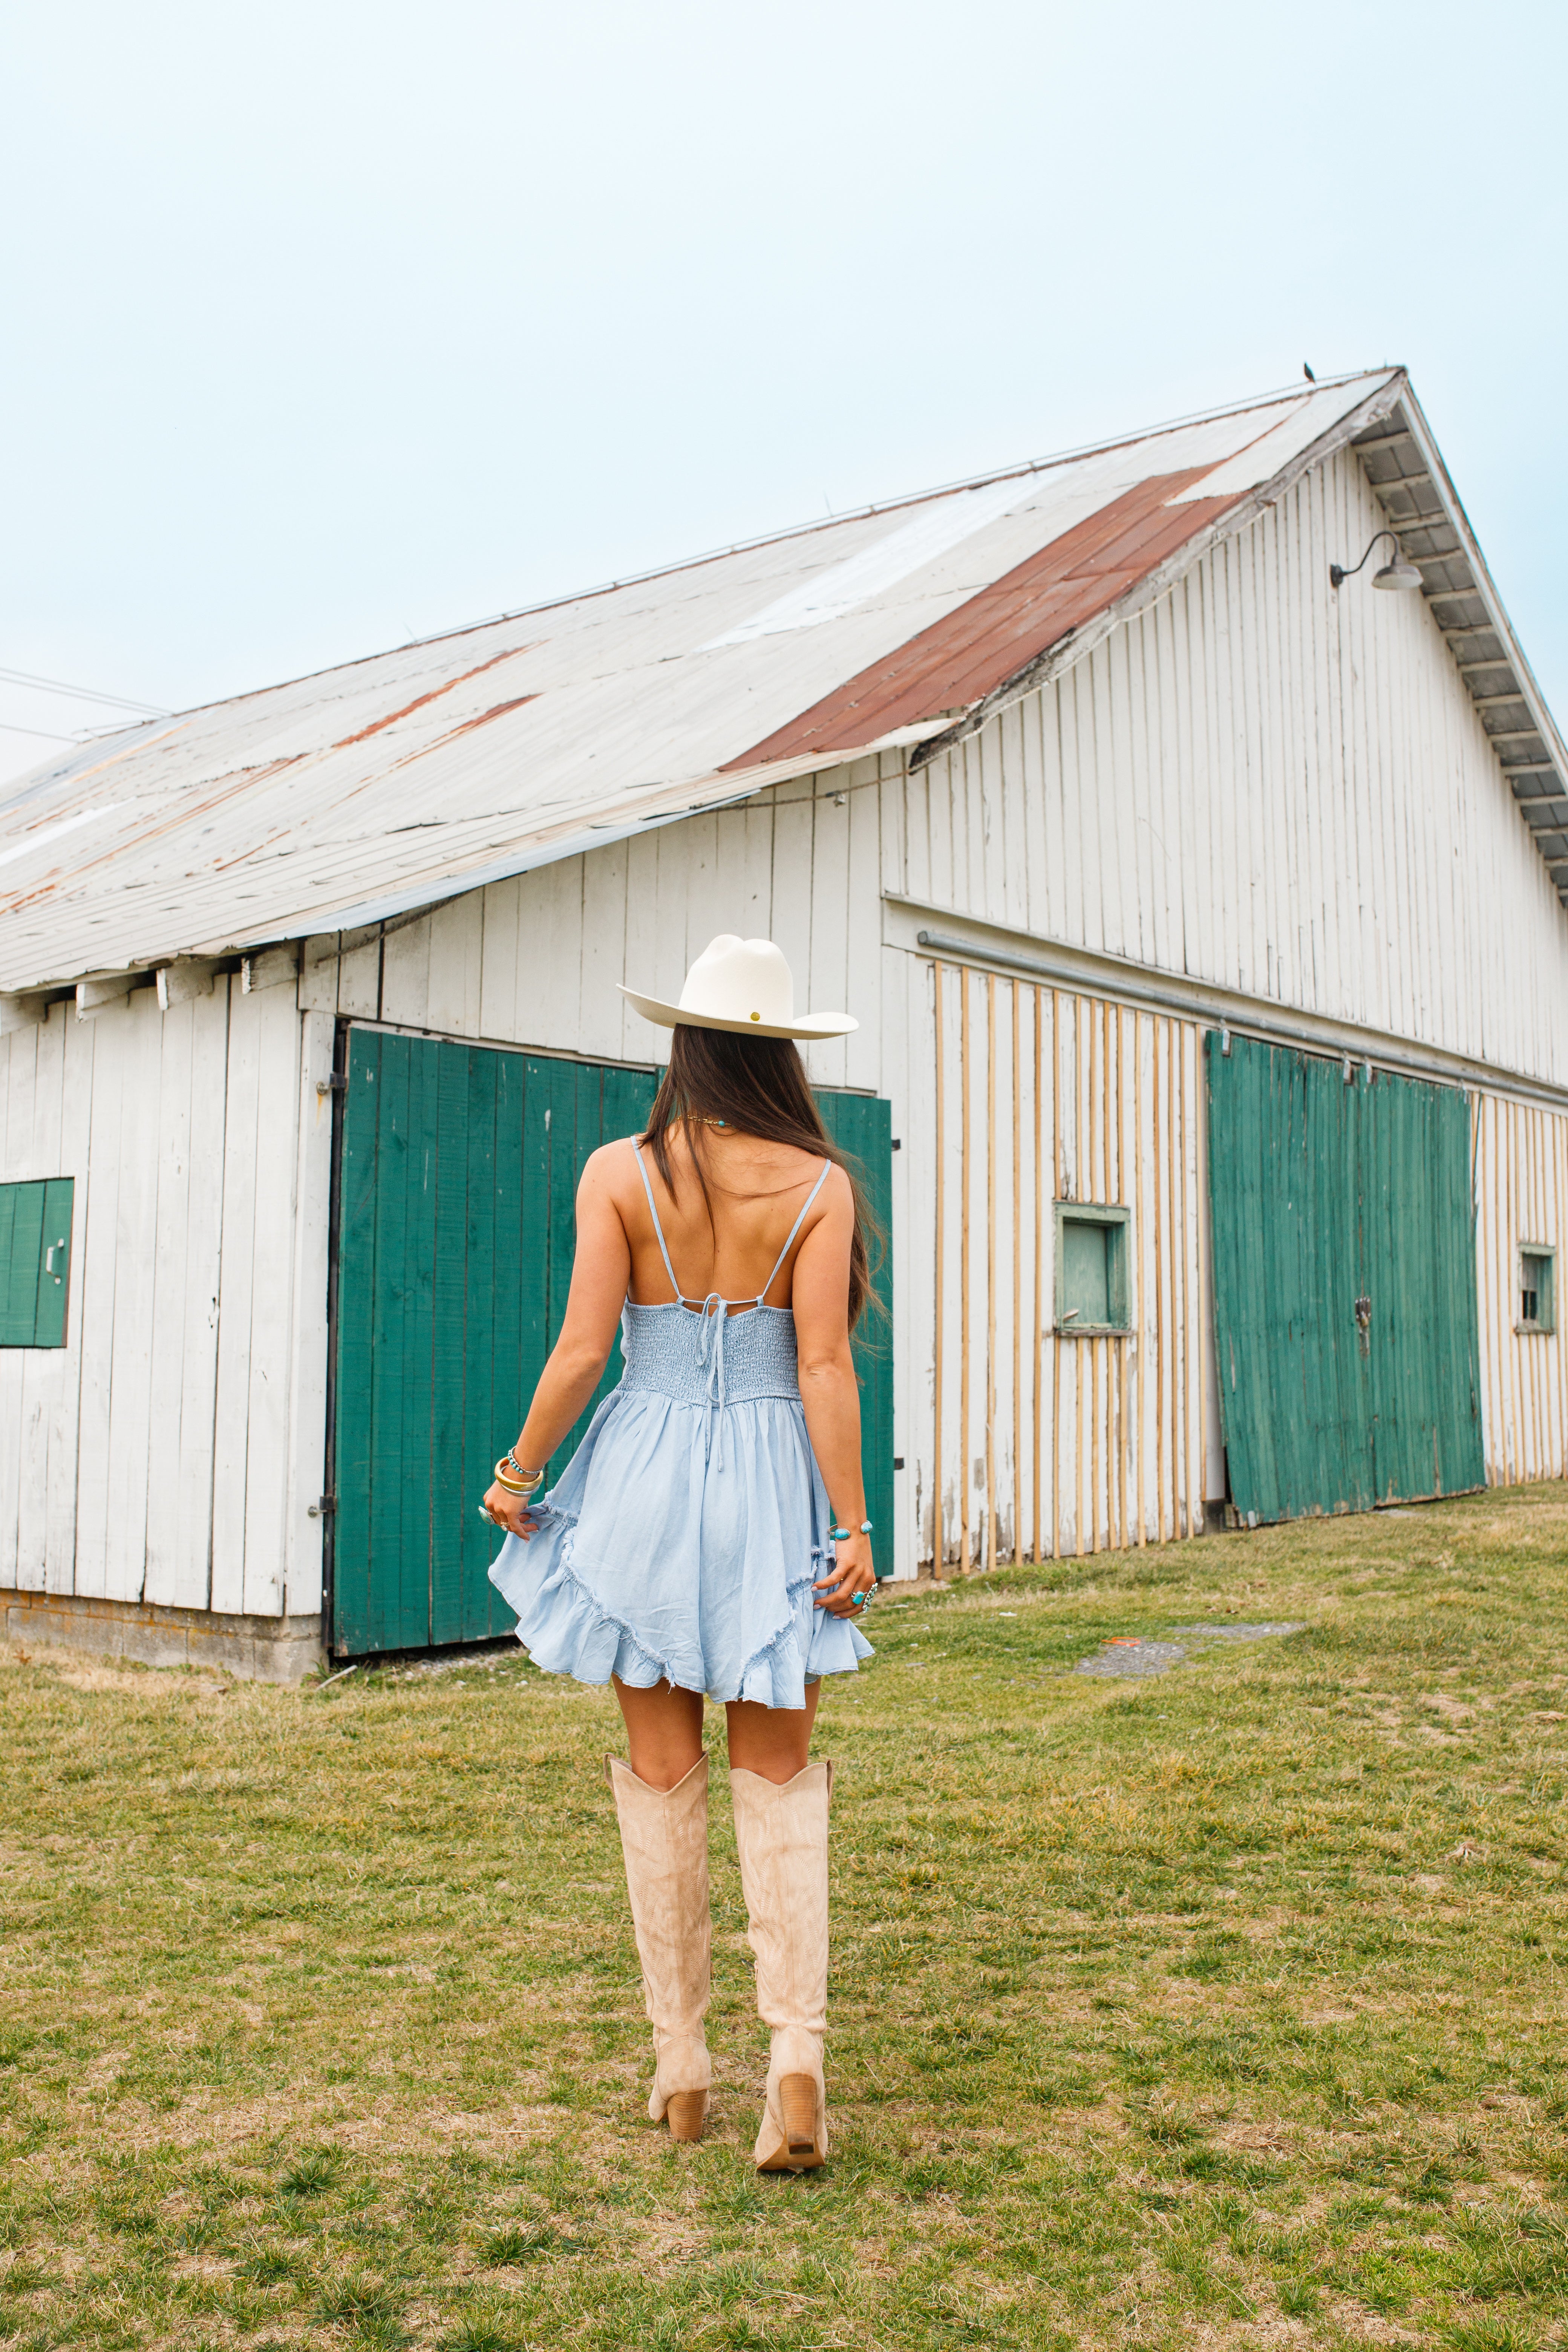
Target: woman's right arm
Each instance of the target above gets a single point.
(601, 1271)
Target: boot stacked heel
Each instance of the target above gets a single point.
(686, 2111)
(797, 2104)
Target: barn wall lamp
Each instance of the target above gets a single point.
(1397, 574)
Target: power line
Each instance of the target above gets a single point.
(45, 734)
(81, 694)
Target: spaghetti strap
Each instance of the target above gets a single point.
(762, 1293)
(658, 1229)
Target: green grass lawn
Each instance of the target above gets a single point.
(1219, 2009)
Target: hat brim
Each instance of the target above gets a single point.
(807, 1024)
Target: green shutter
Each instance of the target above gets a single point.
(1344, 1275)
(35, 1262)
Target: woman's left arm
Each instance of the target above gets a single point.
(601, 1271)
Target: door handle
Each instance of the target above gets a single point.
(50, 1257)
(1364, 1313)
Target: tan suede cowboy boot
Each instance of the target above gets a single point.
(781, 1833)
(664, 1837)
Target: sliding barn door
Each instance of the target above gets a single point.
(1344, 1272)
(457, 1229)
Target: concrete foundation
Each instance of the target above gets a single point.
(256, 1649)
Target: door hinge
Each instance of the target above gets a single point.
(323, 1507)
(336, 1085)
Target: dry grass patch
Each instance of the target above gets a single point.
(1222, 2008)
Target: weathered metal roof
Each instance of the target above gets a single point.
(358, 793)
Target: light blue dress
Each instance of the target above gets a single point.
(682, 1540)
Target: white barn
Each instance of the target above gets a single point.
(1205, 920)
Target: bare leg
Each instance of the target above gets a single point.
(664, 1731)
(773, 1742)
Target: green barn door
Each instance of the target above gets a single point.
(862, 1125)
(1345, 1312)
(459, 1172)
(457, 1228)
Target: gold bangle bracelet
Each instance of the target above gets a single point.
(528, 1485)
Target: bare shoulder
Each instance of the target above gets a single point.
(610, 1170)
(836, 1198)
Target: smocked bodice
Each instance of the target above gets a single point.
(710, 1359)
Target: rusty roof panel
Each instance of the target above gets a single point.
(971, 653)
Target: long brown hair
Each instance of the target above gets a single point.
(758, 1086)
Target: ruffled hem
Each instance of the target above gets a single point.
(567, 1629)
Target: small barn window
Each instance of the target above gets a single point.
(1091, 1268)
(34, 1256)
(1537, 1288)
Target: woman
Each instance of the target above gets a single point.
(691, 1545)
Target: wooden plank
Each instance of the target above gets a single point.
(384, 1627)
(236, 1296)
(102, 1080)
(863, 1050)
(499, 944)
(359, 978)
(1018, 1232)
(405, 974)
(415, 1339)
(1038, 1299)
(966, 1130)
(21, 1250)
(170, 1290)
(307, 1469)
(539, 993)
(861, 1126)
(191, 1578)
(991, 1156)
(1160, 1320)
(532, 1292)
(1143, 1147)
(939, 1531)
(497, 1252)
(137, 1035)
(1055, 1331)
(604, 952)
(272, 1301)
(826, 975)
(76, 1049)
(456, 935)
(45, 1371)
(452, 1120)
(639, 1039)
(354, 1385)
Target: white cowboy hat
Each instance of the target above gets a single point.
(740, 984)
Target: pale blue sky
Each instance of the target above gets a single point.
(327, 324)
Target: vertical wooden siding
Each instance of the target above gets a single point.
(1046, 1443)
(165, 1454)
(1262, 782)
(1521, 1195)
